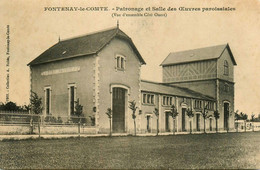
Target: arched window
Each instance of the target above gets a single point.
(226, 71)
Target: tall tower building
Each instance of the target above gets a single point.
(209, 71)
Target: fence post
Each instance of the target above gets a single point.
(236, 123)
(31, 124)
(39, 126)
(245, 125)
(79, 127)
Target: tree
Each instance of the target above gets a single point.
(36, 104)
(204, 114)
(27, 107)
(109, 114)
(156, 112)
(252, 117)
(78, 109)
(93, 120)
(78, 112)
(258, 118)
(133, 107)
(236, 119)
(11, 106)
(190, 114)
(174, 113)
(216, 115)
(36, 107)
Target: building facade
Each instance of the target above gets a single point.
(209, 71)
(103, 70)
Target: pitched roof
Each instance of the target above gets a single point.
(206, 53)
(83, 46)
(156, 87)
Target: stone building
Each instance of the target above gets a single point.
(103, 69)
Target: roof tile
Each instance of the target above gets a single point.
(166, 89)
(206, 53)
(83, 45)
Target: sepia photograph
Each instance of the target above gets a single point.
(132, 84)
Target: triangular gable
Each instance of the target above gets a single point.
(231, 54)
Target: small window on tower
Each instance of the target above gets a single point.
(226, 71)
(226, 88)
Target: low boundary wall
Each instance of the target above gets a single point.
(6, 129)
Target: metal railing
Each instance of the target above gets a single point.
(39, 123)
(26, 118)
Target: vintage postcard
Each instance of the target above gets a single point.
(129, 84)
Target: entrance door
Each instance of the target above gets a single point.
(183, 119)
(148, 118)
(198, 122)
(167, 126)
(118, 119)
(226, 115)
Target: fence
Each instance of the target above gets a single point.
(242, 125)
(25, 123)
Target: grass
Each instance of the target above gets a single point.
(218, 151)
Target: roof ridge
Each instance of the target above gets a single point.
(199, 48)
(150, 81)
(87, 34)
(182, 89)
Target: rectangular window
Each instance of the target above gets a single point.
(48, 100)
(72, 98)
(209, 105)
(226, 70)
(148, 99)
(167, 101)
(198, 104)
(122, 62)
(152, 99)
(226, 88)
(144, 98)
(118, 62)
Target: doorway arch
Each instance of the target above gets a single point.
(226, 105)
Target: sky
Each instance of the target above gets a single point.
(33, 30)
